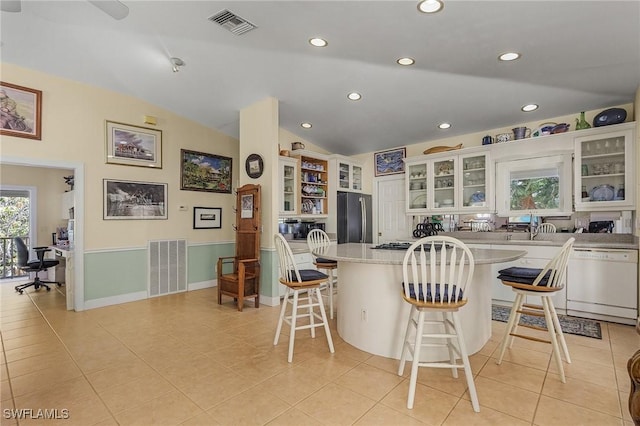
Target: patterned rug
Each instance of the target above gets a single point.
(570, 325)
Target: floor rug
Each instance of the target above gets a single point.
(570, 325)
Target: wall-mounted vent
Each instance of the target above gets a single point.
(167, 267)
(232, 22)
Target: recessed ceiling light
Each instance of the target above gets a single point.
(529, 107)
(354, 96)
(444, 125)
(406, 61)
(509, 56)
(430, 6)
(306, 125)
(318, 42)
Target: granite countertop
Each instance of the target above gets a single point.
(364, 253)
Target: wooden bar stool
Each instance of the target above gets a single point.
(436, 272)
(544, 283)
(317, 239)
(302, 286)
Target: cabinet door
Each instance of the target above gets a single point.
(445, 184)
(475, 193)
(416, 187)
(356, 178)
(604, 171)
(288, 186)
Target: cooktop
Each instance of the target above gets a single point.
(400, 246)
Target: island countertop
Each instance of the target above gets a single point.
(365, 253)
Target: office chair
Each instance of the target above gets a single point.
(33, 265)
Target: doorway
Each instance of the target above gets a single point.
(18, 207)
(393, 222)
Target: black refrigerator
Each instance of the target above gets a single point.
(354, 218)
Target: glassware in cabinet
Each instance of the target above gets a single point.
(444, 183)
(288, 185)
(416, 187)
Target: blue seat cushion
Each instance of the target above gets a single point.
(310, 275)
(323, 260)
(437, 296)
(521, 275)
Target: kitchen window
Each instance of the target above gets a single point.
(539, 186)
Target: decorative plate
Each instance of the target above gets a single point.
(603, 193)
(477, 197)
(543, 129)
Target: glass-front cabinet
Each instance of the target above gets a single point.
(288, 186)
(604, 172)
(349, 176)
(476, 186)
(444, 183)
(416, 187)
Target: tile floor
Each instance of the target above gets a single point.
(184, 360)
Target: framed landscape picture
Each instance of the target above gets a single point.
(200, 171)
(207, 218)
(133, 146)
(21, 111)
(390, 162)
(123, 199)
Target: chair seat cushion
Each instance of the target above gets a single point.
(437, 296)
(323, 260)
(521, 275)
(35, 264)
(310, 275)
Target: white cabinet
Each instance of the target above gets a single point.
(604, 172)
(288, 175)
(348, 175)
(67, 204)
(448, 183)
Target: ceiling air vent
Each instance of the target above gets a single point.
(232, 22)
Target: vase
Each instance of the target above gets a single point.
(581, 123)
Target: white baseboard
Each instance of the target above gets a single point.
(270, 301)
(202, 284)
(115, 300)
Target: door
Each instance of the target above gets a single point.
(393, 222)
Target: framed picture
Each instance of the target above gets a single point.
(246, 203)
(133, 146)
(254, 166)
(200, 171)
(125, 199)
(390, 162)
(20, 111)
(207, 218)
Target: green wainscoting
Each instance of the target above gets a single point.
(113, 273)
(268, 273)
(202, 259)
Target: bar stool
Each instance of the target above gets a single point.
(436, 272)
(546, 228)
(544, 283)
(316, 239)
(302, 286)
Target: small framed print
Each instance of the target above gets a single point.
(390, 162)
(133, 146)
(207, 218)
(21, 112)
(246, 203)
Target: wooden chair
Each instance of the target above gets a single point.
(436, 273)
(243, 281)
(544, 283)
(318, 239)
(545, 228)
(302, 286)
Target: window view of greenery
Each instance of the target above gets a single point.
(535, 193)
(14, 222)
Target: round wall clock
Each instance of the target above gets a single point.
(254, 166)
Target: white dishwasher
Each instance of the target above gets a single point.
(603, 284)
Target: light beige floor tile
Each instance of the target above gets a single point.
(430, 405)
(554, 412)
(37, 363)
(334, 404)
(389, 365)
(250, 407)
(61, 395)
(44, 379)
(50, 348)
(588, 371)
(41, 329)
(597, 356)
(118, 374)
(507, 399)
(381, 415)
(136, 392)
(209, 390)
(168, 409)
(294, 384)
(572, 339)
(514, 374)
(623, 380)
(624, 405)
(369, 381)
(12, 325)
(463, 414)
(524, 356)
(5, 390)
(202, 419)
(582, 393)
(294, 417)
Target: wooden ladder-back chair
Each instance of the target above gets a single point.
(243, 281)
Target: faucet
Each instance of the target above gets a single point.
(532, 235)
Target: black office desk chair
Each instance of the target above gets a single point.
(33, 265)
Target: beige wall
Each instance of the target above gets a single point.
(73, 130)
(50, 185)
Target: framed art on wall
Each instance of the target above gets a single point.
(123, 199)
(20, 111)
(133, 146)
(254, 166)
(390, 162)
(200, 171)
(207, 218)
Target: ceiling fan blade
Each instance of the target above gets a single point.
(114, 8)
(10, 6)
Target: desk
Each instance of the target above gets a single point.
(66, 255)
(372, 316)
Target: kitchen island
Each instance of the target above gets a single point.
(372, 316)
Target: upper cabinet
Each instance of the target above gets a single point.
(348, 174)
(604, 172)
(448, 183)
(289, 175)
(314, 183)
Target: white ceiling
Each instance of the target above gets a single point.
(576, 55)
